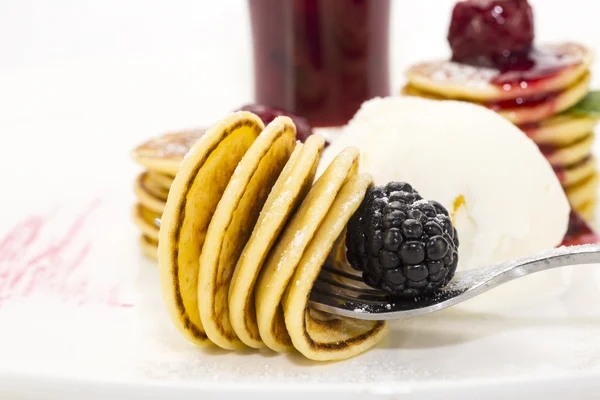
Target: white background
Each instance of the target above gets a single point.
(190, 59)
(82, 82)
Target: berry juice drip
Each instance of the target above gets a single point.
(530, 101)
(532, 68)
(320, 59)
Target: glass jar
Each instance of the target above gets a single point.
(320, 59)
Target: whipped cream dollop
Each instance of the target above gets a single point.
(504, 197)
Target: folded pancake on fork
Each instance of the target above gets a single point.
(288, 192)
(317, 335)
(199, 184)
(285, 256)
(233, 222)
(243, 226)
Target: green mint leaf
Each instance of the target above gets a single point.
(588, 106)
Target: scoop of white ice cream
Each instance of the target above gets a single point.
(504, 197)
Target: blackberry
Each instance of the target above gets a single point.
(402, 244)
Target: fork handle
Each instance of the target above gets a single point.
(491, 277)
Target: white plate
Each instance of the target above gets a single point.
(80, 311)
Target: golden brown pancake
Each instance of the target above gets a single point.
(571, 154)
(588, 211)
(525, 110)
(287, 253)
(233, 222)
(149, 247)
(319, 336)
(197, 189)
(584, 192)
(164, 153)
(288, 192)
(162, 180)
(577, 172)
(153, 187)
(150, 195)
(145, 220)
(560, 130)
(450, 79)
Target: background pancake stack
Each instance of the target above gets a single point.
(160, 158)
(540, 99)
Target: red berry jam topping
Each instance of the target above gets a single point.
(268, 114)
(579, 232)
(533, 67)
(530, 101)
(499, 34)
(491, 32)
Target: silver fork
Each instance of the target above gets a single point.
(343, 293)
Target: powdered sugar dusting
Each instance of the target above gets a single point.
(170, 145)
(452, 72)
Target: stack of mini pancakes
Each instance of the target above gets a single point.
(538, 104)
(244, 233)
(160, 158)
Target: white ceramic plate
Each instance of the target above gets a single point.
(81, 315)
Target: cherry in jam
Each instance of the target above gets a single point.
(499, 34)
(490, 32)
(268, 114)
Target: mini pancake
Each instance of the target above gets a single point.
(538, 109)
(164, 153)
(197, 189)
(319, 336)
(149, 247)
(588, 211)
(285, 256)
(154, 188)
(560, 130)
(583, 192)
(577, 172)
(162, 180)
(525, 110)
(150, 196)
(145, 220)
(233, 223)
(288, 192)
(461, 81)
(570, 155)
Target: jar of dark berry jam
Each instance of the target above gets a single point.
(320, 59)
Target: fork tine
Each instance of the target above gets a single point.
(325, 296)
(326, 286)
(343, 274)
(359, 290)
